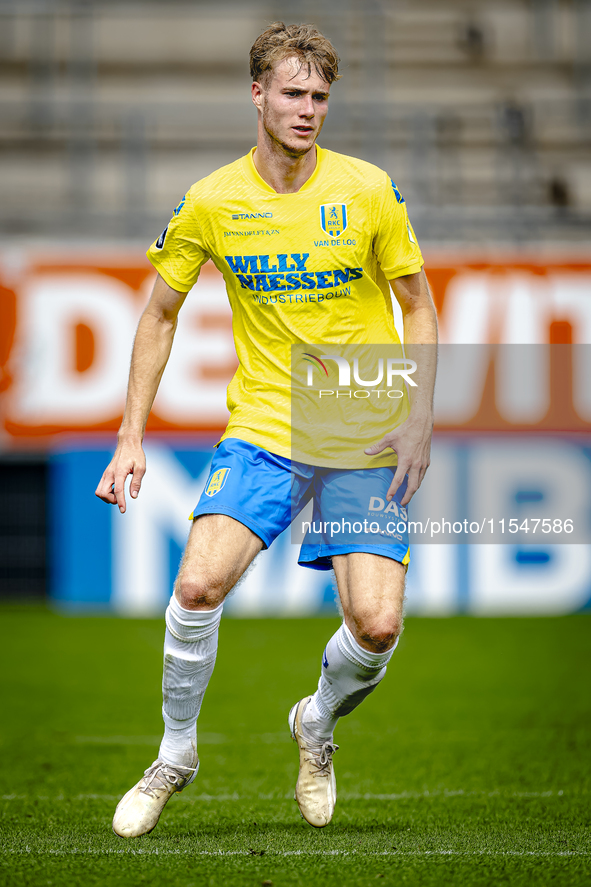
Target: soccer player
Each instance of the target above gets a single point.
(306, 240)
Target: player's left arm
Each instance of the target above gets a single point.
(412, 440)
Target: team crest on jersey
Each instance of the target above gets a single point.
(333, 218)
(217, 481)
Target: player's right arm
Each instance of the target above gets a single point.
(151, 350)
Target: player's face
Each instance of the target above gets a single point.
(293, 105)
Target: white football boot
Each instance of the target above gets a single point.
(139, 810)
(316, 788)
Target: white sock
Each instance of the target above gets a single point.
(190, 647)
(349, 674)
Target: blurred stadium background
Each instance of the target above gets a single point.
(481, 112)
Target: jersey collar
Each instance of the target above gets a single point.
(253, 175)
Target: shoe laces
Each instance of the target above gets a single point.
(159, 774)
(321, 758)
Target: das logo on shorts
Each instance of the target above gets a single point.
(217, 481)
(333, 218)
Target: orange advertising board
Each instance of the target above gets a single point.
(68, 317)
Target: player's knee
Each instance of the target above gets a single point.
(195, 593)
(379, 632)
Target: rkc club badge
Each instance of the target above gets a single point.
(217, 481)
(333, 218)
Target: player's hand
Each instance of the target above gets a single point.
(411, 442)
(128, 459)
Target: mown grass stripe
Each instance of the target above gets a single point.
(343, 796)
(284, 853)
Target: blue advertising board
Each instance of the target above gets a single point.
(104, 561)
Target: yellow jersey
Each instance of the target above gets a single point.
(306, 267)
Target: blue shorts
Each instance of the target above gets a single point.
(267, 493)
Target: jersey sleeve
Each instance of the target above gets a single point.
(395, 243)
(179, 252)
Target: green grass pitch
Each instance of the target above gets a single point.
(469, 765)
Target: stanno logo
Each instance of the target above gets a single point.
(236, 216)
(333, 218)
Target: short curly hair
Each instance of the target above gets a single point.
(281, 41)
